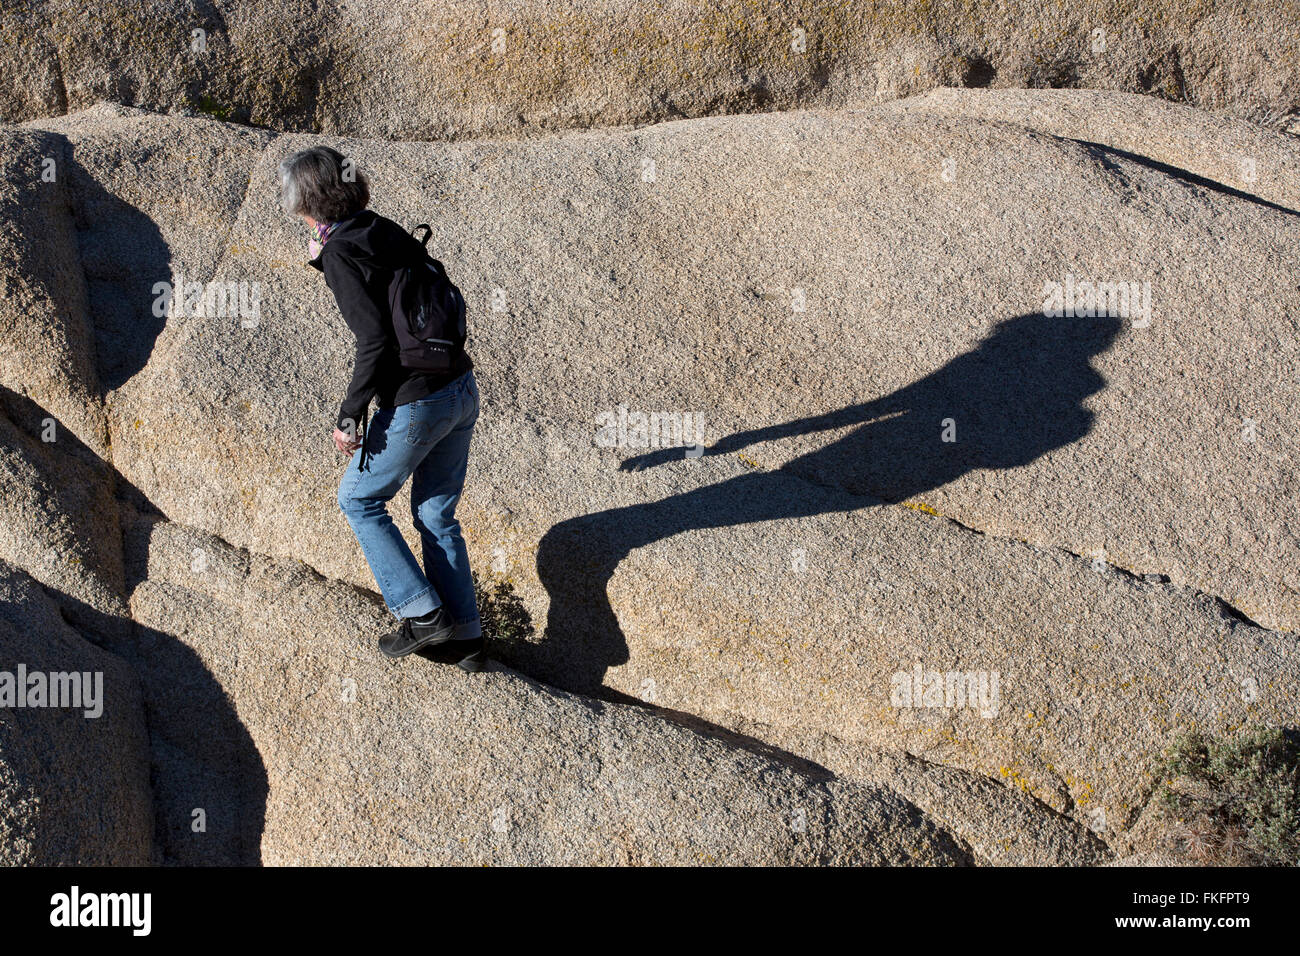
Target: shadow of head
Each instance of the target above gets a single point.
(1020, 394)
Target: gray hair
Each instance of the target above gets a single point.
(321, 183)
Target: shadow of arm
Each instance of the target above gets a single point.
(841, 418)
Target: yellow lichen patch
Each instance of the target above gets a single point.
(1013, 776)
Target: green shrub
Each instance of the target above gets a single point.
(210, 107)
(1235, 801)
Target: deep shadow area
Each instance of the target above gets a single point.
(1015, 397)
(123, 255)
(202, 756)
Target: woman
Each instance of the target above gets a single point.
(421, 430)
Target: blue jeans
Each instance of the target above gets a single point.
(427, 440)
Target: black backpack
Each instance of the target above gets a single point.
(428, 312)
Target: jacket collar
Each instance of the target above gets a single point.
(361, 218)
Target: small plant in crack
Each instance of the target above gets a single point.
(211, 107)
(506, 622)
(208, 105)
(1235, 801)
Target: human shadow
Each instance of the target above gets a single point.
(1014, 398)
(202, 756)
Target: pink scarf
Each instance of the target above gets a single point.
(322, 231)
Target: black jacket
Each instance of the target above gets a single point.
(358, 260)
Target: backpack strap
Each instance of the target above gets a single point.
(428, 231)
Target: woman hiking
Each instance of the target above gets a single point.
(421, 430)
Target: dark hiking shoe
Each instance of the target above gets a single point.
(413, 635)
(467, 655)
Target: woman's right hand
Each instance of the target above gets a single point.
(345, 443)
